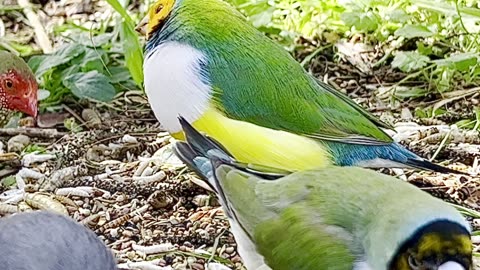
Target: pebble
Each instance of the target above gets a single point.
(351, 82)
(191, 260)
(85, 212)
(197, 266)
(17, 143)
(236, 259)
(125, 246)
(131, 255)
(127, 233)
(162, 262)
(121, 198)
(79, 202)
(114, 232)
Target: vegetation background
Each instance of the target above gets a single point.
(414, 63)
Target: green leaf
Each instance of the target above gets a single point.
(443, 84)
(94, 65)
(34, 148)
(93, 55)
(422, 49)
(449, 10)
(94, 60)
(412, 31)
(61, 56)
(43, 94)
(355, 5)
(466, 124)
(95, 41)
(9, 181)
(262, 18)
(35, 61)
(72, 125)
(133, 52)
(404, 92)
(69, 71)
(119, 74)
(421, 113)
(460, 61)
(409, 61)
(398, 15)
(92, 85)
(131, 45)
(361, 21)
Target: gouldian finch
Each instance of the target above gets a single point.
(47, 241)
(335, 218)
(18, 87)
(204, 61)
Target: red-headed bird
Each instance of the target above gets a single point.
(18, 88)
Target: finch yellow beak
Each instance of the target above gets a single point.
(142, 26)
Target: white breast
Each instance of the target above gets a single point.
(173, 84)
(246, 248)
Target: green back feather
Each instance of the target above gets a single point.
(298, 239)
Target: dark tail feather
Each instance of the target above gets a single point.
(200, 153)
(185, 153)
(425, 164)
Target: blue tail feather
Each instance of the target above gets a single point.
(380, 156)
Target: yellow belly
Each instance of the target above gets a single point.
(263, 146)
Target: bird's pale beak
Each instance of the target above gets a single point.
(31, 101)
(28, 106)
(142, 26)
(32, 109)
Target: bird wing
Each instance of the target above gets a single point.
(274, 91)
(352, 103)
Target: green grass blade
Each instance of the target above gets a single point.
(119, 8)
(133, 52)
(131, 45)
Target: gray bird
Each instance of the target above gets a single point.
(48, 241)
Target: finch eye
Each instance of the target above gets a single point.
(414, 264)
(159, 8)
(9, 84)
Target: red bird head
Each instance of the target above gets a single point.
(18, 86)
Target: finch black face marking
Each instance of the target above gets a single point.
(433, 245)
